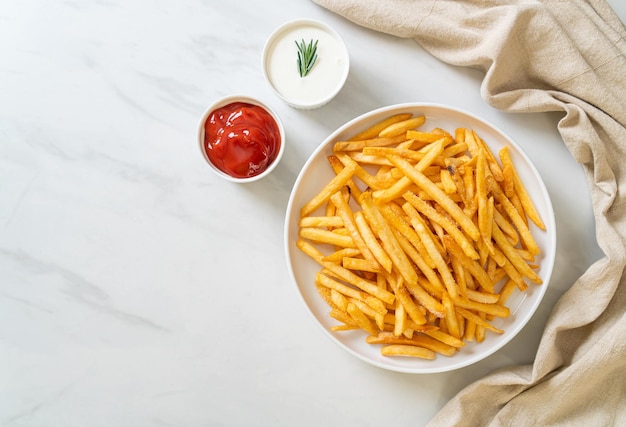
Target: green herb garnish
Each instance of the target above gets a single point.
(307, 55)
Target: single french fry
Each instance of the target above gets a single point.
(470, 331)
(499, 275)
(491, 268)
(423, 136)
(459, 276)
(484, 211)
(400, 128)
(470, 265)
(383, 152)
(488, 225)
(359, 282)
(367, 159)
(400, 319)
(459, 135)
(440, 131)
(337, 299)
(350, 186)
(343, 317)
(515, 201)
(408, 351)
(377, 317)
(375, 129)
(493, 309)
(366, 309)
(469, 139)
(452, 151)
(449, 186)
(329, 189)
(329, 212)
(506, 291)
(484, 297)
(461, 321)
(445, 338)
(361, 264)
(510, 270)
(344, 327)
(374, 142)
(418, 340)
(527, 203)
(321, 235)
(481, 330)
(320, 221)
(508, 181)
(471, 206)
(494, 167)
(507, 228)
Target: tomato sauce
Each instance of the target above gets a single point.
(241, 139)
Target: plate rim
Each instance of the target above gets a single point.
(549, 219)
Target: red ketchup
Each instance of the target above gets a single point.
(241, 139)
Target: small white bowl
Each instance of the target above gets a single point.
(222, 102)
(328, 74)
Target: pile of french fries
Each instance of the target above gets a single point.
(424, 236)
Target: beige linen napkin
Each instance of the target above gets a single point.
(539, 56)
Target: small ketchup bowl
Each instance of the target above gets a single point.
(241, 138)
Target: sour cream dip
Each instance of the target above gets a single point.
(327, 75)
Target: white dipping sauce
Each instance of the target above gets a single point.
(325, 78)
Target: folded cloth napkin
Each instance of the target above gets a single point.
(544, 55)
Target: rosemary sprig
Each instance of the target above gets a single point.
(307, 55)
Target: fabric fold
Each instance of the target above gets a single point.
(539, 56)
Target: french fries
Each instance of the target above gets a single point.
(421, 237)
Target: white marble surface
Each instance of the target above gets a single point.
(137, 288)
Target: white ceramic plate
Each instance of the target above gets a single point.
(316, 173)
